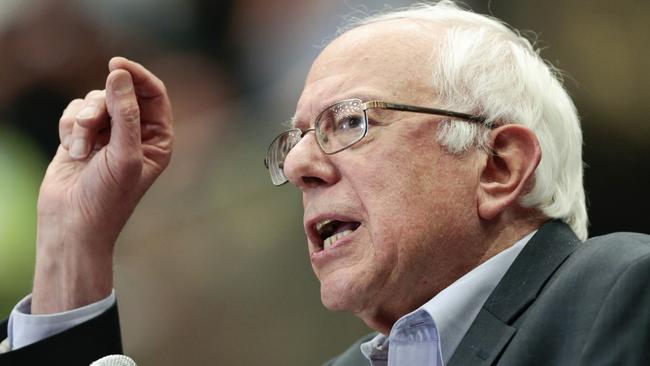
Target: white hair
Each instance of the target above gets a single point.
(487, 68)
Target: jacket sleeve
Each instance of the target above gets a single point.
(79, 345)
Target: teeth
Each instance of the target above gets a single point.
(321, 224)
(332, 239)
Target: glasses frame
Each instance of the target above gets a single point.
(365, 106)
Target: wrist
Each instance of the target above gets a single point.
(72, 270)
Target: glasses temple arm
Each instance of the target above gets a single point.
(416, 109)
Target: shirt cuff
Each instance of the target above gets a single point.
(24, 328)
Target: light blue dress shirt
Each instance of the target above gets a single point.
(430, 335)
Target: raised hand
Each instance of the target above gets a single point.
(114, 144)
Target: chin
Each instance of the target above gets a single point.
(345, 294)
(336, 300)
(339, 294)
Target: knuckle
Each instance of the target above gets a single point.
(81, 131)
(73, 103)
(93, 94)
(66, 116)
(130, 111)
(65, 121)
(163, 87)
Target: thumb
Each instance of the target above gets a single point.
(125, 143)
(123, 108)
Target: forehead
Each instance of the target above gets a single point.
(388, 61)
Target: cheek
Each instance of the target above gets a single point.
(413, 201)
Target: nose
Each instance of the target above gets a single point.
(307, 166)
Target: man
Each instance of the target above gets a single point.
(440, 164)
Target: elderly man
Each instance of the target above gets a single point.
(440, 163)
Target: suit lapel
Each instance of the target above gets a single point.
(492, 329)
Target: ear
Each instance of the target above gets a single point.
(509, 170)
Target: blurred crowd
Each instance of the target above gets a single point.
(213, 266)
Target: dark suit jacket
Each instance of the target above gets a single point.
(78, 346)
(562, 302)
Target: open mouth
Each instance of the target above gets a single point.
(330, 231)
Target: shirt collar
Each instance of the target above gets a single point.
(454, 308)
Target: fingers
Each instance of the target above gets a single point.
(135, 100)
(67, 121)
(147, 85)
(82, 121)
(155, 107)
(89, 121)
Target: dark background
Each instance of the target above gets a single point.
(213, 267)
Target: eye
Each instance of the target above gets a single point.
(349, 123)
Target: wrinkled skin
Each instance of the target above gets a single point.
(423, 212)
(114, 144)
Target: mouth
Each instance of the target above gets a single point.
(325, 233)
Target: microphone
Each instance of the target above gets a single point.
(114, 360)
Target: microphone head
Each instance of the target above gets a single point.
(114, 360)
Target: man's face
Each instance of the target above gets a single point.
(403, 208)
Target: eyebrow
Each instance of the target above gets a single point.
(365, 97)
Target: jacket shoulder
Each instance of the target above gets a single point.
(617, 249)
(598, 263)
(633, 240)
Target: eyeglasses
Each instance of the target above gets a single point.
(338, 127)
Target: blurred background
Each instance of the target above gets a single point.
(213, 240)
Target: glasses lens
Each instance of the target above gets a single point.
(341, 125)
(278, 151)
